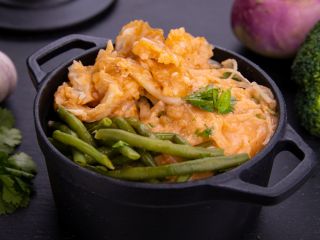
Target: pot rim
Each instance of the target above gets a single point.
(282, 120)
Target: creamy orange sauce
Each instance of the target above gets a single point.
(147, 76)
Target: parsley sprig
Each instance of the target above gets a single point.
(212, 100)
(16, 170)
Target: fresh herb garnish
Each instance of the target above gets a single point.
(212, 100)
(205, 133)
(16, 171)
(9, 139)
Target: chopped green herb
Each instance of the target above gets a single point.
(212, 100)
(205, 133)
(224, 103)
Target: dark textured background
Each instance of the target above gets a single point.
(298, 218)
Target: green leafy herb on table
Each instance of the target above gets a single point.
(16, 170)
(212, 100)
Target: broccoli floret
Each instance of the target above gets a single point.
(306, 66)
(308, 106)
(306, 73)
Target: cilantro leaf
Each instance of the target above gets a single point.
(224, 104)
(212, 100)
(6, 208)
(6, 118)
(5, 148)
(16, 171)
(9, 138)
(202, 104)
(14, 193)
(9, 193)
(3, 158)
(22, 161)
(24, 201)
(203, 93)
(24, 187)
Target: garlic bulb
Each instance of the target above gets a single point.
(8, 76)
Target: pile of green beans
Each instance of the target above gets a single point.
(124, 148)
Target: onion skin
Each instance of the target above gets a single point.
(274, 28)
(8, 76)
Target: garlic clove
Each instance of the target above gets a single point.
(8, 76)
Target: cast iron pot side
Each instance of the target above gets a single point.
(219, 208)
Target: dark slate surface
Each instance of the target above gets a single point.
(298, 218)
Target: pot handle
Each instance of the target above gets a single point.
(238, 189)
(54, 49)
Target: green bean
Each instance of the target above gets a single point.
(60, 126)
(141, 128)
(123, 124)
(58, 145)
(173, 137)
(103, 123)
(120, 159)
(156, 145)
(126, 150)
(204, 144)
(76, 125)
(110, 152)
(225, 169)
(146, 158)
(183, 178)
(153, 181)
(182, 168)
(82, 146)
(164, 136)
(77, 157)
(97, 169)
(129, 152)
(180, 140)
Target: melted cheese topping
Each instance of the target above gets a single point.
(147, 76)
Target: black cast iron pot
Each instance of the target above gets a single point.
(220, 207)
